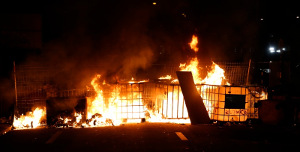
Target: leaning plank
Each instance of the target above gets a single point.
(194, 103)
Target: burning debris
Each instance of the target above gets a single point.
(32, 119)
(111, 103)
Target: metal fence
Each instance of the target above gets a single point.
(236, 73)
(30, 83)
(130, 104)
(170, 102)
(232, 103)
(133, 100)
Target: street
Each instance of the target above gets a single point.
(154, 137)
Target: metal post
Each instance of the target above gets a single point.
(167, 107)
(16, 92)
(248, 72)
(172, 101)
(131, 101)
(178, 101)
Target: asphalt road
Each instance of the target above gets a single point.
(154, 137)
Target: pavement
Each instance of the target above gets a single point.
(155, 137)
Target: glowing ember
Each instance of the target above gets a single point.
(31, 119)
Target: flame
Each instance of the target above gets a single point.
(109, 109)
(100, 112)
(194, 68)
(112, 104)
(263, 95)
(31, 119)
(214, 77)
(167, 77)
(78, 117)
(119, 102)
(133, 80)
(194, 43)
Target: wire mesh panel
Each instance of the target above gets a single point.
(130, 103)
(151, 100)
(235, 72)
(231, 103)
(170, 101)
(223, 103)
(30, 87)
(132, 100)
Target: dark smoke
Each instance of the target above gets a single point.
(228, 30)
(85, 38)
(120, 38)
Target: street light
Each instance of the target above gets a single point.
(271, 49)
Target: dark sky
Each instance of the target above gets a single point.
(221, 25)
(126, 36)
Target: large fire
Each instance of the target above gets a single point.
(214, 77)
(114, 104)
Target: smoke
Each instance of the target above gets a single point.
(85, 38)
(121, 38)
(141, 59)
(227, 30)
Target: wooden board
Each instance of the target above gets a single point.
(194, 103)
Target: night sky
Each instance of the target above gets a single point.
(98, 28)
(126, 36)
(97, 32)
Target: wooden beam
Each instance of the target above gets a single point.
(194, 103)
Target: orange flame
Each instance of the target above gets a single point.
(99, 111)
(194, 68)
(31, 119)
(194, 43)
(214, 77)
(119, 102)
(167, 77)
